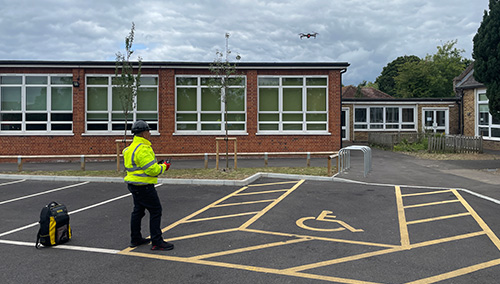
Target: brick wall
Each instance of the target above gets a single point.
(167, 142)
(469, 113)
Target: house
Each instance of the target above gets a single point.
(477, 121)
(368, 110)
(71, 107)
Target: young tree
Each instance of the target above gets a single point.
(225, 75)
(127, 84)
(486, 53)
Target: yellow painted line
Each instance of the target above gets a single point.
(203, 209)
(251, 248)
(427, 193)
(268, 207)
(262, 192)
(438, 218)
(247, 268)
(221, 217)
(458, 272)
(403, 227)
(448, 239)
(431, 204)
(244, 203)
(320, 238)
(272, 183)
(478, 219)
(201, 234)
(343, 259)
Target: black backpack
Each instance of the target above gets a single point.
(54, 225)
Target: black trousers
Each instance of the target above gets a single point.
(145, 198)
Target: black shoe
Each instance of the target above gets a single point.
(163, 246)
(138, 243)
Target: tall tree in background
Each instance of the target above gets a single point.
(487, 56)
(225, 75)
(127, 84)
(432, 76)
(385, 81)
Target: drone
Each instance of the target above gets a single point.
(308, 35)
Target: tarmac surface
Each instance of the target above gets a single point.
(408, 221)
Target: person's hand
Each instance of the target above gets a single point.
(167, 164)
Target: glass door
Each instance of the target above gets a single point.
(435, 120)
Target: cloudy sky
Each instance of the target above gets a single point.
(368, 34)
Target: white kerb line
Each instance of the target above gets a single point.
(12, 182)
(41, 193)
(72, 212)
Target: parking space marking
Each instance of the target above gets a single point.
(12, 182)
(42, 193)
(300, 270)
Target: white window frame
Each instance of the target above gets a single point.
(435, 128)
(24, 112)
(347, 121)
(304, 110)
(199, 110)
(490, 126)
(384, 123)
(109, 123)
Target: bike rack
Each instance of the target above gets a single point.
(345, 158)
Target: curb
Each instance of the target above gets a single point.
(216, 182)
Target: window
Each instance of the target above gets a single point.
(293, 104)
(488, 126)
(105, 112)
(200, 109)
(384, 118)
(36, 104)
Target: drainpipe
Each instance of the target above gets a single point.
(346, 121)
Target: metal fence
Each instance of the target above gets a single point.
(455, 144)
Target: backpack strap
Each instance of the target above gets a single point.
(37, 243)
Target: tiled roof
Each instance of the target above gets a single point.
(367, 93)
(466, 79)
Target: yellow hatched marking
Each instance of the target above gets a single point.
(403, 227)
(458, 272)
(251, 248)
(343, 259)
(438, 218)
(243, 203)
(272, 183)
(320, 238)
(445, 240)
(203, 209)
(268, 207)
(221, 217)
(431, 204)
(248, 268)
(201, 234)
(426, 193)
(479, 220)
(262, 192)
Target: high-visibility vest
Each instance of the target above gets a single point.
(140, 163)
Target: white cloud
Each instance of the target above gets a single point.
(368, 34)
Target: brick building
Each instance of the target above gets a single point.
(477, 121)
(71, 108)
(369, 110)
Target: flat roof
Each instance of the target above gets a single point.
(173, 64)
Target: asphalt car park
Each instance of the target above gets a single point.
(270, 231)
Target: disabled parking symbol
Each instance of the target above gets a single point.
(325, 217)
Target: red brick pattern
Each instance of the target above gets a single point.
(167, 141)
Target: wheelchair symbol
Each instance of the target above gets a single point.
(326, 218)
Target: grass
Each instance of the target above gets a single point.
(231, 174)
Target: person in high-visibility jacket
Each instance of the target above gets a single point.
(142, 175)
